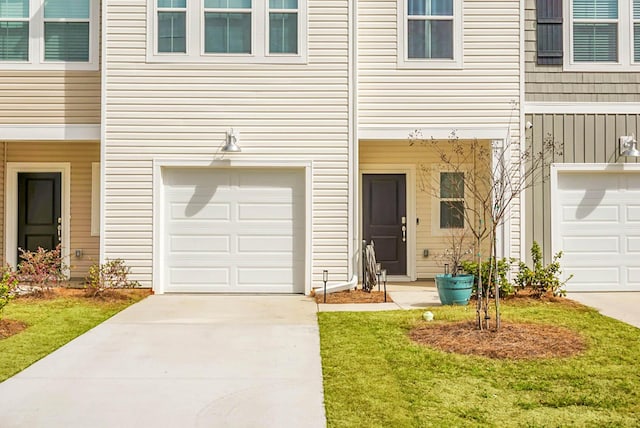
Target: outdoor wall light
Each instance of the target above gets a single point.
(231, 145)
(628, 146)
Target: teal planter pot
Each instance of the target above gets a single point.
(454, 290)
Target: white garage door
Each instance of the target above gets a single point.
(598, 230)
(233, 230)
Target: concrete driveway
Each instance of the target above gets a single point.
(623, 306)
(180, 361)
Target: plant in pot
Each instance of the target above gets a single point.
(454, 286)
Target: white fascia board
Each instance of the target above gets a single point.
(439, 133)
(580, 108)
(50, 132)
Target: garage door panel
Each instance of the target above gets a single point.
(200, 275)
(220, 212)
(211, 244)
(265, 212)
(590, 244)
(590, 212)
(242, 232)
(633, 213)
(591, 275)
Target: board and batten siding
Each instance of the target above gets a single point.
(49, 97)
(548, 83)
(284, 112)
(80, 156)
(586, 138)
(482, 92)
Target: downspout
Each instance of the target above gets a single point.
(103, 126)
(353, 235)
(521, 130)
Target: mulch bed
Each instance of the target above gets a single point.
(10, 327)
(354, 296)
(515, 341)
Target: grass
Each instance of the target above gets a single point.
(374, 376)
(51, 324)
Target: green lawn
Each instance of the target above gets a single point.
(374, 376)
(51, 324)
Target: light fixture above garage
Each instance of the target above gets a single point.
(231, 145)
(628, 146)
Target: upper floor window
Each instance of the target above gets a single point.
(228, 31)
(430, 33)
(602, 35)
(49, 34)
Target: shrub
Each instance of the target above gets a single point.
(542, 279)
(41, 268)
(8, 283)
(502, 269)
(111, 275)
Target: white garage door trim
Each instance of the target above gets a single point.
(159, 276)
(558, 171)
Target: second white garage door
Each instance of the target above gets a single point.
(233, 230)
(598, 229)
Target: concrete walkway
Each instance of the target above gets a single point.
(180, 361)
(404, 296)
(623, 306)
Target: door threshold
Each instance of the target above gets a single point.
(398, 278)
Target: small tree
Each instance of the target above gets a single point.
(494, 176)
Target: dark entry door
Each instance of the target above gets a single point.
(39, 213)
(384, 216)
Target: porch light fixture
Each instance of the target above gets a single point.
(231, 145)
(628, 146)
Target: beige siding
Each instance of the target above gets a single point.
(483, 92)
(590, 138)
(49, 97)
(426, 162)
(296, 112)
(80, 156)
(548, 83)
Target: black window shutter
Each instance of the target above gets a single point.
(549, 36)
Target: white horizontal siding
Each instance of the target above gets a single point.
(284, 112)
(481, 92)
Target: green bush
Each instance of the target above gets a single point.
(108, 276)
(542, 279)
(8, 282)
(502, 269)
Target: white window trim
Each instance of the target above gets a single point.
(195, 38)
(95, 198)
(36, 42)
(403, 48)
(625, 42)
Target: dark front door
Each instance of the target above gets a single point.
(39, 214)
(385, 215)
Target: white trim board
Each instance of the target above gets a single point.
(161, 162)
(86, 132)
(410, 187)
(580, 108)
(11, 211)
(438, 133)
